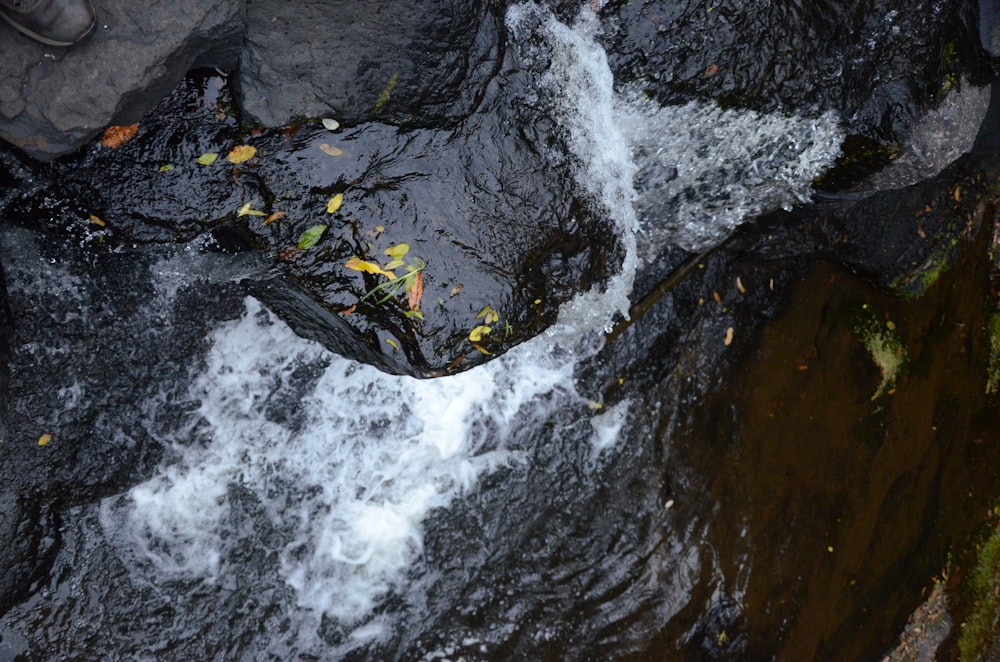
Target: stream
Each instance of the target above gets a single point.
(569, 499)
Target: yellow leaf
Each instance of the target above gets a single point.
(489, 315)
(357, 264)
(241, 153)
(455, 290)
(97, 221)
(477, 333)
(729, 336)
(334, 204)
(596, 406)
(44, 439)
(397, 251)
(245, 210)
(392, 343)
(207, 158)
(482, 350)
(739, 285)
(331, 150)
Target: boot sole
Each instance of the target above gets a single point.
(46, 40)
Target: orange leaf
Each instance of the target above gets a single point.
(415, 292)
(332, 150)
(115, 136)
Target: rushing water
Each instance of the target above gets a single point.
(309, 505)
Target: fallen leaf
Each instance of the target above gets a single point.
(97, 221)
(711, 70)
(477, 333)
(372, 234)
(357, 264)
(275, 216)
(717, 297)
(331, 150)
(414, 314)
(482, 350)
(241, 153)
(729, 336)
(330, 124)
(334, 204)
(208, 158)
(166, 167)
(958, 194)
(245, 210)
(311, 236)
(455, 290)
(116, 136)
(415, 292)
(44, 439)
(739, 286)
(350, 309)
(596, 406)
(392, 343)
(489, 315)
(397, 251)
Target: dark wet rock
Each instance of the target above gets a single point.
(28, 543)
(52, 100)
(363, 61)
(878, 64)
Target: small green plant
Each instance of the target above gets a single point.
(884, 346)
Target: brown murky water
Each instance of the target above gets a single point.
(834, 505)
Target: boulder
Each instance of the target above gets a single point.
(53, 100)
(372, 60)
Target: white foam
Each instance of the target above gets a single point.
(725, 166)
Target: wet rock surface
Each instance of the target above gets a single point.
(771, 492)
(330, 59)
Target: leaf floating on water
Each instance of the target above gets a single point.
(116, 136)
(44, 439)
(482, 350)
(711, 70)
(275, 216)
(241, 153)
(414, 314)
(350, 309)
(331, 150)
(374, 233)
(97, 221)
(245, 210)
(729, 336)
(311, 236)
(398, 251)
(392, 343)
(596, 406)
(739, 286)
(415, 292)
(208, 158)
(357, 264)
(330, 124)
(455, 290)
(166, 167)
(334, 204)
(478, 333)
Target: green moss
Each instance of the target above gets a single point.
(884, 346)
(915, 284)
(993, 367)
(386, 94)
(984, 591)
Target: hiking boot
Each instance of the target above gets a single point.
(53, 22)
